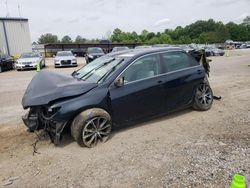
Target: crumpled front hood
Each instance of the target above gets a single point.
(48, 86)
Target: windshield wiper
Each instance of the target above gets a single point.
(90, 73)
(111, 70)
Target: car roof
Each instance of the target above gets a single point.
(142, 51)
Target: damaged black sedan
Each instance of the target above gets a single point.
(113, 91)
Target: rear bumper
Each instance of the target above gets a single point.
(35, 122)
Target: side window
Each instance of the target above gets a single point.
(142, 68)
(173, 61)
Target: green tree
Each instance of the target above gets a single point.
(165, 39)
(246, 21)
(135, 36)
(208, 37)
(154, 40)
(201, 31)
(117, 35)
(222, 33)
(184, 40)
(143, 36)
(66, 40)
(238, 32)
(79, 39)
(47, 38)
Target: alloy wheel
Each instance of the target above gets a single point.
(96, 130)
(204, 95)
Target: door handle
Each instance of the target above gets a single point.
(160, 82)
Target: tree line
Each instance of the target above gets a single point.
(199, 32)
(52, 39)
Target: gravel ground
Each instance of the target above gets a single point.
(183, 149)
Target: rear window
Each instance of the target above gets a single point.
(174, 61)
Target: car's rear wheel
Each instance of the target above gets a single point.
(91, 127)
(203, 98)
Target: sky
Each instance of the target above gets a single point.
(98, 18)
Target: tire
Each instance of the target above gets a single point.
(1, 69)
(91, 127)
(203, 98)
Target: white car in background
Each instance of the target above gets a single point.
(120, 48)
(30, 60)
(65, 59)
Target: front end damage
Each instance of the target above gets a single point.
(46, 89)
(43, 118)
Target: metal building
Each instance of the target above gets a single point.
(14, 36)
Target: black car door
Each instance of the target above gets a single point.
(142, 94)
(183, 74)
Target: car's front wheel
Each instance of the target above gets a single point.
(91, 127)
(203, 98)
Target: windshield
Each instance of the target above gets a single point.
(64, 54)
(98, 69)
(95, 50)
(29, 55)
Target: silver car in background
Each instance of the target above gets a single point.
(65, 59)
(30, 60)
(120, 48)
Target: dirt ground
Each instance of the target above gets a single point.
(184, 149)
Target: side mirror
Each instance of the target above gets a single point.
(119, 82)
(73, 73)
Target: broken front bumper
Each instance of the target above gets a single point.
(36, 121)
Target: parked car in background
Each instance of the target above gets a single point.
(208, 51)
(65, 59)
(217, 52)
(244, 46)
(93, 53)
(212, 51)
(6, 62)
(120, 48)
(79, 52)
(113, 91)
(30, 60)
(187, 48)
